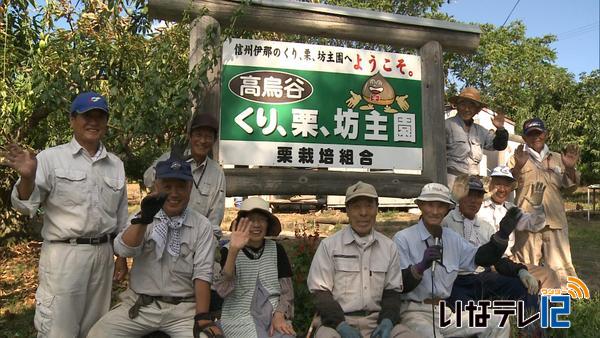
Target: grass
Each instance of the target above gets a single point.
(18, 277)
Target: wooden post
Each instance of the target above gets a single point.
(432, 93)
(211, 97)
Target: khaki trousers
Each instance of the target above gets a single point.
(175, 320)
(74, 288)
(366, 325)
(550, 246)
(418, 317)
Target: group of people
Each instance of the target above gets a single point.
(538, 176)
(466, 246)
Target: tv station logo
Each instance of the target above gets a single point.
(555, 305)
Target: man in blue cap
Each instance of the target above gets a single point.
(173, 251)
(81, 187)
(532, 163)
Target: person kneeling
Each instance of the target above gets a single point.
(173, 250)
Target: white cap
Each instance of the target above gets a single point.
(435, 192)
(502, 171)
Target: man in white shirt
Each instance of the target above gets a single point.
(81, 187)
(495, 207)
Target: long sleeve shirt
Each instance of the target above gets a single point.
(457, 254)
(548, 169)
(464, 150)
(493, 213)
(168, 275)
(81, 195)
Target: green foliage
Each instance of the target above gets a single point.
(302, 251)
(517, 74)
(50, 53)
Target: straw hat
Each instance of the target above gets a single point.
(470, 94)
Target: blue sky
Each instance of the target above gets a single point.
(574, 22)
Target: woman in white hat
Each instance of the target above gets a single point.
(256, 281)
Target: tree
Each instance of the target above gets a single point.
(50, 53)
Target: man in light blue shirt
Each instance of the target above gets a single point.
(426, 246)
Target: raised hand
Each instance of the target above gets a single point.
(570, 156)
(521, 157)
(498, 120)
(151, 204)
(20, 159)
(536, 193)
(509, 222)
(460, 188)
(240, 234)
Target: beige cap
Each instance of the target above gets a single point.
(360, 189)
(435, 192)
(258, 204)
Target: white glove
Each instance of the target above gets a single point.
(530, 282)
(536, 194)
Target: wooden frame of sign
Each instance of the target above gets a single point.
(427, 35)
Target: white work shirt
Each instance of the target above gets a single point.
(80, 196)
(172, 276)
(493, 213)
(356, 274)
(457, 254)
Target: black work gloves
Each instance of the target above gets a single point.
(151, 204)
(509, 222)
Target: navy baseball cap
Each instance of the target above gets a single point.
(174, 168)
(475, 184)
(533, 124)
(87, 101)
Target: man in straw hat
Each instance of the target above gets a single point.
(444, 253)
(173, 251)
(256, 276)
(532, 163)
(495, 206)
(465, 139)
(355, 275)
(81, 187)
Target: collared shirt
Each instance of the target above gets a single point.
(208, 192)
(457, 254)
(493, 213)
(550, 171)
(169, 275)
(464, 150)
(80, 197)
(356, 275)
(476, 231)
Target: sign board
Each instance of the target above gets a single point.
(300, 105)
